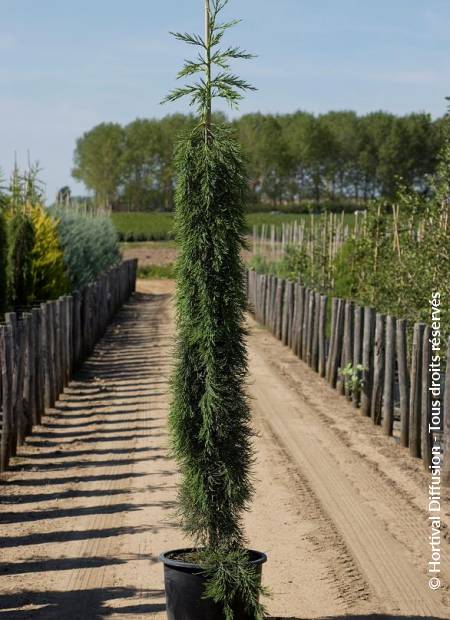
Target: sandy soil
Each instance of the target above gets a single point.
(87, 508)
(151, 252)
(158, 252)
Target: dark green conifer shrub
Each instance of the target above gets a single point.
(20, 256)
(210, 416)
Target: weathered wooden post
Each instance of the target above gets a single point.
(378, 368)
(338, 342)
(263, 299)
(286, 312)
(322, 335)
(279, 307)
(367, 360)
(77, 328)
(315, 333)
(293, 325)
(39, 363)
(301, 291)
(347, 347)
(16, 389)
(389, 374)
(403, 380)
(69, 337)
(24, 421)
(268, 308)
(357, 350)
(310, 326)
(305, 325)
(6, 349)
(415, 396)
(334, 312)
(53, 358)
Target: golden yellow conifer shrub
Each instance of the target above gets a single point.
(49, 274)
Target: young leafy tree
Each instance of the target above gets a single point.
(98, 161)
(210, 416)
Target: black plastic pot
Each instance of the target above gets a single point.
(185, 584)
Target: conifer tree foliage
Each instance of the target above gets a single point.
(20, 247)
(35, 268)
(49, 274)
(210, 416)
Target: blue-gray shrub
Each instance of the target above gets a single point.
(89, 242)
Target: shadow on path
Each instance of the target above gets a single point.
(73, 508)
(88, 604)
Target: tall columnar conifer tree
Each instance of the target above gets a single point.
(210, 417)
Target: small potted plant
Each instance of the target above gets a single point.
(210, 423)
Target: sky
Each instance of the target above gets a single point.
(67, 65)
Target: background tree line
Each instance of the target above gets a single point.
(338, 157)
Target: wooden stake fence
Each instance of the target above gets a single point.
(391, 389)
(41, 348)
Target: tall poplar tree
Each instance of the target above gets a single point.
(210, 416)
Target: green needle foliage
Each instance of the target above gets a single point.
(210, 416)
(224, 84)
(20, 247)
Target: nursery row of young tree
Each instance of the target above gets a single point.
(394, 260)
(47, 253)
(292, 158)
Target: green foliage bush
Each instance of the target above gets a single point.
(21, 240)
(143, 226)
(294, 264)
(157, 271)
(49, 273)
(89, 242)
(398, 264)
(210, 415)
(399, 258)
(45, 253)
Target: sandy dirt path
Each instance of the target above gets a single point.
(370, 497)
(87, 507)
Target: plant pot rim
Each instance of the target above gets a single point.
(258, 557)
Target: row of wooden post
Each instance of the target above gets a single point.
(373, 346)
(40, 348)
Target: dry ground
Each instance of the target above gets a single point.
(87, 507)
(151, 252)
